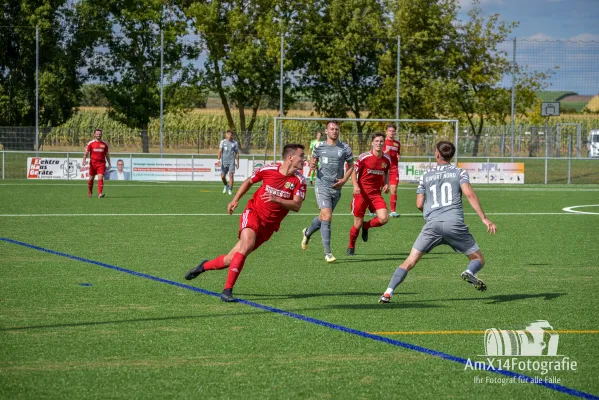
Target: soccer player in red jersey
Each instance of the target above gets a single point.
(370, 174)
(98, 151)
(393, 149)
(283, 189)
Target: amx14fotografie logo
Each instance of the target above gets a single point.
(512, 350)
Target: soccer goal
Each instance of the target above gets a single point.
(417, 136)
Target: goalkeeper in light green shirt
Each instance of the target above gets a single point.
(313, 144)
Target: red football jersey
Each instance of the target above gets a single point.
(371, 172)
(97, 151)
(392, 149)
(285, 187)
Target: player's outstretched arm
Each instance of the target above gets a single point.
(475, 203)
(245, 186)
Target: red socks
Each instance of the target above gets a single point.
(90, 186)
(373, 223)
(393, 202)
(353, 235)
(235, 269)
(217, 263)
(100, 185)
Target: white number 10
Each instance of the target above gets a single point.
(446, 195)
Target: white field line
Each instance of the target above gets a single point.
(236, 215)
(200, 185)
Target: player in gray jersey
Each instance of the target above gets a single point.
(228, 158)
(331, 156)
(439, 197)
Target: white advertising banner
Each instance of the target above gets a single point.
(494, 172)
(56, 168)
(181, 169)
(142, 169)
(412, 171)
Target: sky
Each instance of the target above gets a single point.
(561, 36)
(575, 20)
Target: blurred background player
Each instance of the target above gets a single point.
(228, 152)
(283, 189)
(439, 197)
(330, 156)
(313, 145)
(98, 151)
(392, 149)
(370, 174)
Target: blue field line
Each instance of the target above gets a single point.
(341, 328)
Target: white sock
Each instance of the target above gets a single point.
(389, 291)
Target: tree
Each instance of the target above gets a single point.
(67, 33)
(474, 67)
(92, 95)
(423, 27)
(129, 69)
(342, 49)
(242, 47)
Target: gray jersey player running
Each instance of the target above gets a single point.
(439, 197)
(228, 152)
(331, 156)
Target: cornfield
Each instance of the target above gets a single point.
(201, 131)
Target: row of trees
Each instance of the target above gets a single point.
(341, 54)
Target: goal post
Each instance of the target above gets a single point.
(370, 125)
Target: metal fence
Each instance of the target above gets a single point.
(571, 68)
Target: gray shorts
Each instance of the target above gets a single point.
(454, 234)
(327, 197)
(227, 168)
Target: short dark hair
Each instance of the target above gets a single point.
(229, 131)
(377, 134)
(333, 121)
(446, 150)
(390, 126)
(97, 129)
(290, 148)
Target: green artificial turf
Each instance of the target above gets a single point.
(86, 326)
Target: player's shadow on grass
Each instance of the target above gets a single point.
(504, 298)
(126, 321)
(258, 296)
(359, 259)
(375, 305)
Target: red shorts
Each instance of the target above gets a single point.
(393, 175)
(361, 203)
(249, 219)
(96, 168)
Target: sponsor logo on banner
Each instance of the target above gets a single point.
(413, 171)
(145, 169)
(494, 172)
(182, 169)
(55, 168)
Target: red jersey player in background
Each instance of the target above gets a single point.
(98, 151)
(283, 189)
(393, 149)
(370, 174)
